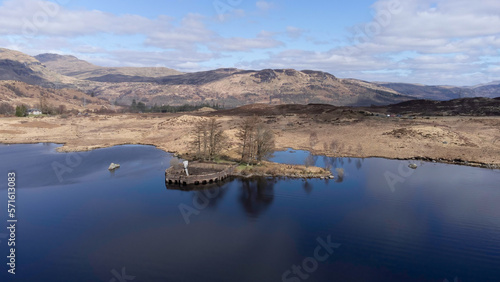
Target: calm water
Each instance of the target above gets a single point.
(79, 222)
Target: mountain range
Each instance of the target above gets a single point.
(230, 87)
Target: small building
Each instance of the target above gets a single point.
(35, 112)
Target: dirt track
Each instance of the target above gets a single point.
(475, 140)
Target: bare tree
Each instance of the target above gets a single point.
(264, 141)
(217, 139)
(359, 149)
(6, 109)
(310, 161)
(245, 134)
(208, 139)
(62, 109)
(257, 140)
(334, 146)
(313, 139)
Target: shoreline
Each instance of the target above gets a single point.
(469, 141)
(315, 153)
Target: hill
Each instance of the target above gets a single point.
(17, 93)
(478, 106)
(234, 87)
(441, 93)
(19, 66)
(231, 87)
(74, 67)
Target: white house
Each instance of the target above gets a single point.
(35, 112)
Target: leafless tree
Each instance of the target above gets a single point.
(310, 161)
(208, 139)
(257, 140)
(313, 139)
(62, 109)
(6, 109)
(334, 146)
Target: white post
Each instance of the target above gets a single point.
(186, 167)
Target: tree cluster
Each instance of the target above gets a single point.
(6, 109)
(257, 140)
(208, 139)
(136, 107)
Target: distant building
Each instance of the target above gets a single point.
(35, 112)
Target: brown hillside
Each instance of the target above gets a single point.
(17, 93)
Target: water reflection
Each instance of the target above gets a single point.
(308, 187)
(212, 196)
(359, 163)
(256, 195)
(440, 221)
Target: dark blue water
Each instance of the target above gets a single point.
(380, 222)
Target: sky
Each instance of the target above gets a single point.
(439, 42)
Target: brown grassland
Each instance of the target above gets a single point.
(457, 139)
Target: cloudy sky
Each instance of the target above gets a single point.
(453, 42)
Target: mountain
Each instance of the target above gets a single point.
(16, 93)
(19, 66)
(231, 87)
(74, 67)
(442, 93)
(234, 87)
(491, 89)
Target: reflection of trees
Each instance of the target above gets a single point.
(340, 175)
(212, 195)
(256, 195)
(308, 187)
(310, 160)
(359, 164)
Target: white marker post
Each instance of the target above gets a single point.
(186, 167)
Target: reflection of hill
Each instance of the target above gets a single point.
(256, 195)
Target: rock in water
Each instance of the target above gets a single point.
(412, 166)
(113, 166)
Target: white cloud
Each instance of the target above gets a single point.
(294, 32)
(446, 43)
(426, 41)
(264, 5)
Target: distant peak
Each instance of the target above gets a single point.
(52, 57)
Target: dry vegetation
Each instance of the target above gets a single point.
(475, 140)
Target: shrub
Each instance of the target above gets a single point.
(21, 111)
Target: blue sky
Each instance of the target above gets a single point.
(418, 41)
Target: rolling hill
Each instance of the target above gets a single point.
(231, 87)
(227, 86)
(442, 93)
